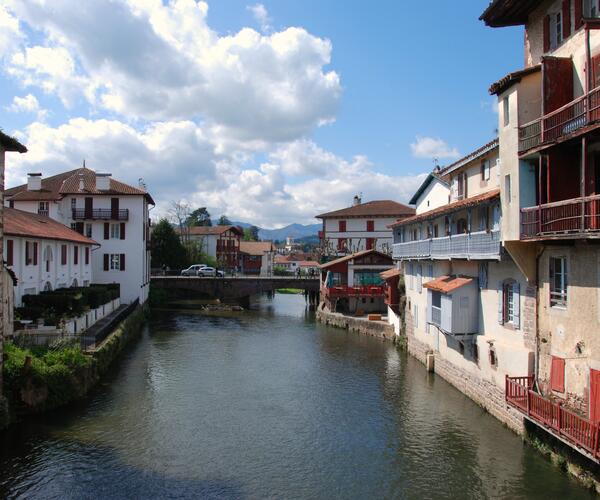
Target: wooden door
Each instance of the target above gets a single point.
(594, 395)
(114, 208)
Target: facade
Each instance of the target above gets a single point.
(466, 300)
(297, 262)
(363, 226)
(257, 257)
(353, 284)
(101, 208)
(222, 243)
(45, 255)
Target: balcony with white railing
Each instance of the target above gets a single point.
(481, 245)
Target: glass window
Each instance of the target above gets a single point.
(507, 189)
(115, 231)
(115, 262)
(88, 230)
(509, 305)
(558, 282)
(506, 111)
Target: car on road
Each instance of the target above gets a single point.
(210, 272)
(193, 270)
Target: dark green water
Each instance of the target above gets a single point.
(271, 405)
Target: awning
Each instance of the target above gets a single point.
(448, 284)
(390, 273)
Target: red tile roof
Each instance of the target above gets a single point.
(451, 207)
(376, 208)
(448, 284)
(58, 186)
(256, 247)
(352, 256)
(20, 223)
(212, 230)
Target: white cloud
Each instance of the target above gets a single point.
(10, 32)
(27, 104)
(261, 16)
(432, 147)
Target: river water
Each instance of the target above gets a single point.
(269, 404)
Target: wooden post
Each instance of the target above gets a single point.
(583, 175)
(540, 162)
(528, 403)
(559, 418)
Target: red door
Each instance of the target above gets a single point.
(594, 395)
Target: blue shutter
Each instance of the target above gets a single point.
(500, 304)
(516, 305)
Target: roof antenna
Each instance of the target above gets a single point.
(84, 163)
(436, 165)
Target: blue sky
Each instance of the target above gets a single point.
(228, 105)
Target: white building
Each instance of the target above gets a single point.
(363, 226)
(45, 255)
(222, 243)
(106, 210)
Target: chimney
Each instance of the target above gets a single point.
(103, 182)
(81, 183)
(34, 182)
(357, 200)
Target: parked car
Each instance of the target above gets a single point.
(193, 270)
(210, 271)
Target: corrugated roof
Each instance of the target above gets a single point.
(9, 143)
(256, 247)
(451, 207)
(352, 256)
(478, 153)
(515, 77)
(26, 224)
(375, 208)
(448, 284)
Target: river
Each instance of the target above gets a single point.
(270, 404)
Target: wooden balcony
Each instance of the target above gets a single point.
(578, 216)
(577, 114)
(571, 428)
(355, 291)
(100, 214)
(481, 245)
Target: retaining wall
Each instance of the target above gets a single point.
(379, 329)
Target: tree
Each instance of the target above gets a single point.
(179, 214)
(167, 248)
(199, 217)
(224, 221)
(251, 233)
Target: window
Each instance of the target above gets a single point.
(509, 303)
(74, 226)
(435, 230)
(484, 219)
(557, 374)
(436, 308)
(115, 231)
(591, 8)
(507, 189)
(115, 262)
(341, 244)
(430, 271)
(493, 357)
(370, 226)
(48, 257)
(411, 272)
(88, 230)
(558, 29)
(485, 170)
(73, 203)
(10, 245)
(342, 226)
(11, 203)
(63, 255)
(461, 185)
(506, 111)
(44, 208)
(31, 253)
(87, 255)
(558, 282)
(461, 226)
(75, 255)
(447, 225)
(416, 316)
(475, 351)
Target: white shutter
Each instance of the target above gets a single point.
(500, 304)
(429, 304)
(516, 305)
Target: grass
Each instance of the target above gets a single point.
(290, 291)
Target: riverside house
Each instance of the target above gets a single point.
(549, 119)
(104, 209)
(465, 298)
(222, 243)
(256, 257)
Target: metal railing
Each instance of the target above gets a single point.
(478, 245)
(355, 291)
(100, 214)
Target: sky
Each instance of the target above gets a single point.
(270, 113)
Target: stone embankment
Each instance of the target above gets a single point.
(379, 329)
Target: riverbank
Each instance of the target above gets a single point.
(362, 325)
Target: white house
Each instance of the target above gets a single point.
(222, 243)
(101, 208)
(363, 226)
(44, 254)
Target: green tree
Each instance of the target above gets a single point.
(224, 221)
(199, 217)
(166, 247)
(251, 234)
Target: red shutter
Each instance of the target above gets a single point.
(35, 253)
(342, 226)
(546, 33)
(75, 255)
(557, 374)
(122, 262)
(566, 18)
(371, 225)
(578, 14)
(87, 255)
(9, 252)
(106, 230)
(122, 230)
(369, 243)
(106, 257)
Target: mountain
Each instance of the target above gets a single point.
(296, 231)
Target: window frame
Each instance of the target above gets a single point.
(558, 299)
(115, 231)
(114, 261)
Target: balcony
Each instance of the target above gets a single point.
(478, 246)
(355, 291)
(578, 216)
(100, 214)
(568, 426)
(577, 114)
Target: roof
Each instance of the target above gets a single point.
(373, 208)
(478, 153)
(26, 224)
(58, 186)
(509, 80)
(9, 143)
(390, 273)
(508, 12)
(352, 256)
(423, 186)
(448, 284)
(451, 207)
(256, 247)
(308, 263)
(212, 230)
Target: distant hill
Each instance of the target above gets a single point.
(296, 231)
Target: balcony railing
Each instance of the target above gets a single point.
(562, 218)
(479, 245)
(564, 121)
(578, 431)
(100, 214)
(356, 291)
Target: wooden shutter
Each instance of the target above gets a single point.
(35, 253)
(9, 252)
(342, 226)
(75, 255)
(122, 230)
(122, 262)
(566, 18)
(89, 208)
(500, 303)
(516, 291)
(106, 261)
(114, 208)
(106, 230)
(87, 255)
(557, 374)
(594, 395)
(578, 14)
(547, 33)
(370, 225)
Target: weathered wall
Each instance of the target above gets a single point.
(377, 329)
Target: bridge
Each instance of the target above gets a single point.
(237, 288)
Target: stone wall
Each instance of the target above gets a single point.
(379, 329)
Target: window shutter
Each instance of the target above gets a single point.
(35, 253)
(63, 255)
(566, 18)
(75, 255)
(87, 255)
(122, 262)
(106, 230)
(500, 304)
(429, 305)
(578, 14)
(122, 230)
(547, 33)
(106, 258)
(9, 252)
(557, 374)
(516, 305)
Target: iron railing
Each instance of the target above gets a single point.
(100, 214)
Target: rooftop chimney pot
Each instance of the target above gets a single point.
(357, 200)
(34, 181)
(103, 181)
